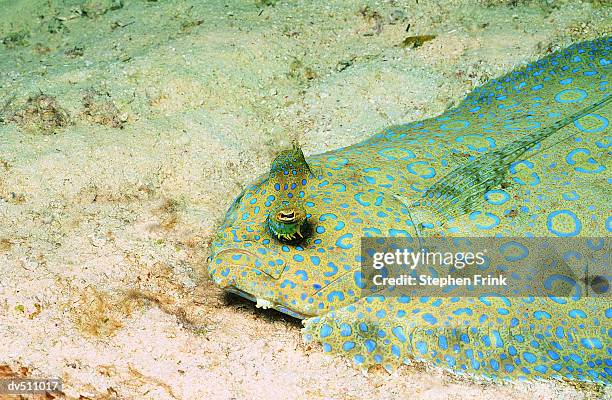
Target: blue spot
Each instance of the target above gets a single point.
(592, 343)
(529, 357)
(576, 358)
(450, 360)
(337, 294)
(370, 345)
(359, 281)
(541, 369)
(459, 311)
(541, 315)
(345, 329)
(399, 333)
(421, 347)
(429, 318)
(405, 299)
(325, 331)
(348, 346)
(442, 343)
(581, 314)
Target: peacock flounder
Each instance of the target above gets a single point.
(525, 155)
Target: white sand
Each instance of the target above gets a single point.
(104, 231)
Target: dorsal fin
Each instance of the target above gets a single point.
(456, 193)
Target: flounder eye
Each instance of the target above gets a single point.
(288, 223)
(286, 215)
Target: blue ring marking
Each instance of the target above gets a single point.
(340, 242)
(302, 274)
(410, 168)
(324, 217)
(583, 95)
(570, 160)
(494, 223)
(505, 197)
(505, 246)
(603, 145)
(446, 127)
(489, 140)
(572, 196)
(289, 283)
(548, 284)
(594, 130)
(577, 223)
(337, 294)
(529, 164)
(332, 272)
(409, 153)
(341, 188)
(360, 201)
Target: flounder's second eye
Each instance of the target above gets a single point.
(288, 223)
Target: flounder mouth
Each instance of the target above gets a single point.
(247, 264)
(265, 304)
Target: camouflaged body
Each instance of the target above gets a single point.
(527, 154)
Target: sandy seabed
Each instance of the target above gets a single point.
(127, 127)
